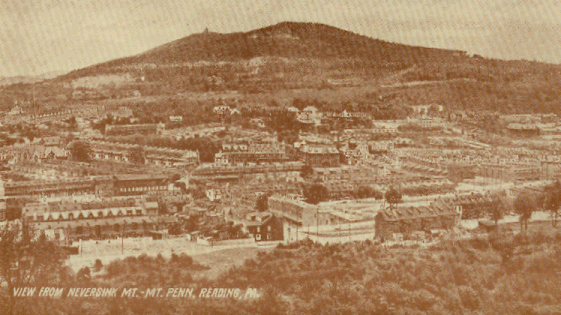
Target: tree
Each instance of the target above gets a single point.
(552, 201)
(393, 196)
(84, 275)
(364, 192)
(136, 155)
(368, 192)
(315, 193)
(262, 203)
(98, 265)
(525, 204)
(28, 260)
(81, 151)
(198, 193)
(307, 170)
(497, 208)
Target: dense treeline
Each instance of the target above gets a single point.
(500, 273)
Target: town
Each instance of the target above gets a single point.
(264, 174)
(280, 157)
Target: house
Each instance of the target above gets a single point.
(221, 110)
(406, 220)
(320, 155)
(523, 129)
(263, 226)
(16, 110)
(122, 112)
(144, 129)
(310, 115)
(253, 152)
(118, 152)
(51, 141)
(340, 190)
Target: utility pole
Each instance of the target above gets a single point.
(122, 239)
(317, 224)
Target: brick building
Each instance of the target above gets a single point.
(252, 152)
(439, 215)
(320, 155)
(118, 152)
(144, 129)
(94, 220)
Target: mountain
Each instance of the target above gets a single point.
(316, 62)
(289, 40)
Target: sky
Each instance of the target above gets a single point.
(41, 36)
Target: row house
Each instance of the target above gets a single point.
(36, 153)
(431, 122)
(109, 227)
(523, 129)
(197, 131)
(51, 116)
(170, 157)
(224, 109)
(340, 190)
(37, 216)
(49, 188)
(129, 185)
(320, 155)
(152, 156)
(53, 141)
(380, 146)
(384, 128)
(406, 220)
(214, 170)
(121, 185)
(145, 129)
(122, 112)
(343, 116)
(470, 206)
(83, 204)
(253, 152)
(506, 172)
(269, 188)
(347, 173)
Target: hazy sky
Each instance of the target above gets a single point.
(38, 36)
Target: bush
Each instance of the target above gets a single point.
(98, 265)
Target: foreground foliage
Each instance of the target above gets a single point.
(488, 274)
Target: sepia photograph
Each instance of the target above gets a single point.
(169, 157)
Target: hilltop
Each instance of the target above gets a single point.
(289, 40)
(311, 61)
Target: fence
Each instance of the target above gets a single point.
(239, 242)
